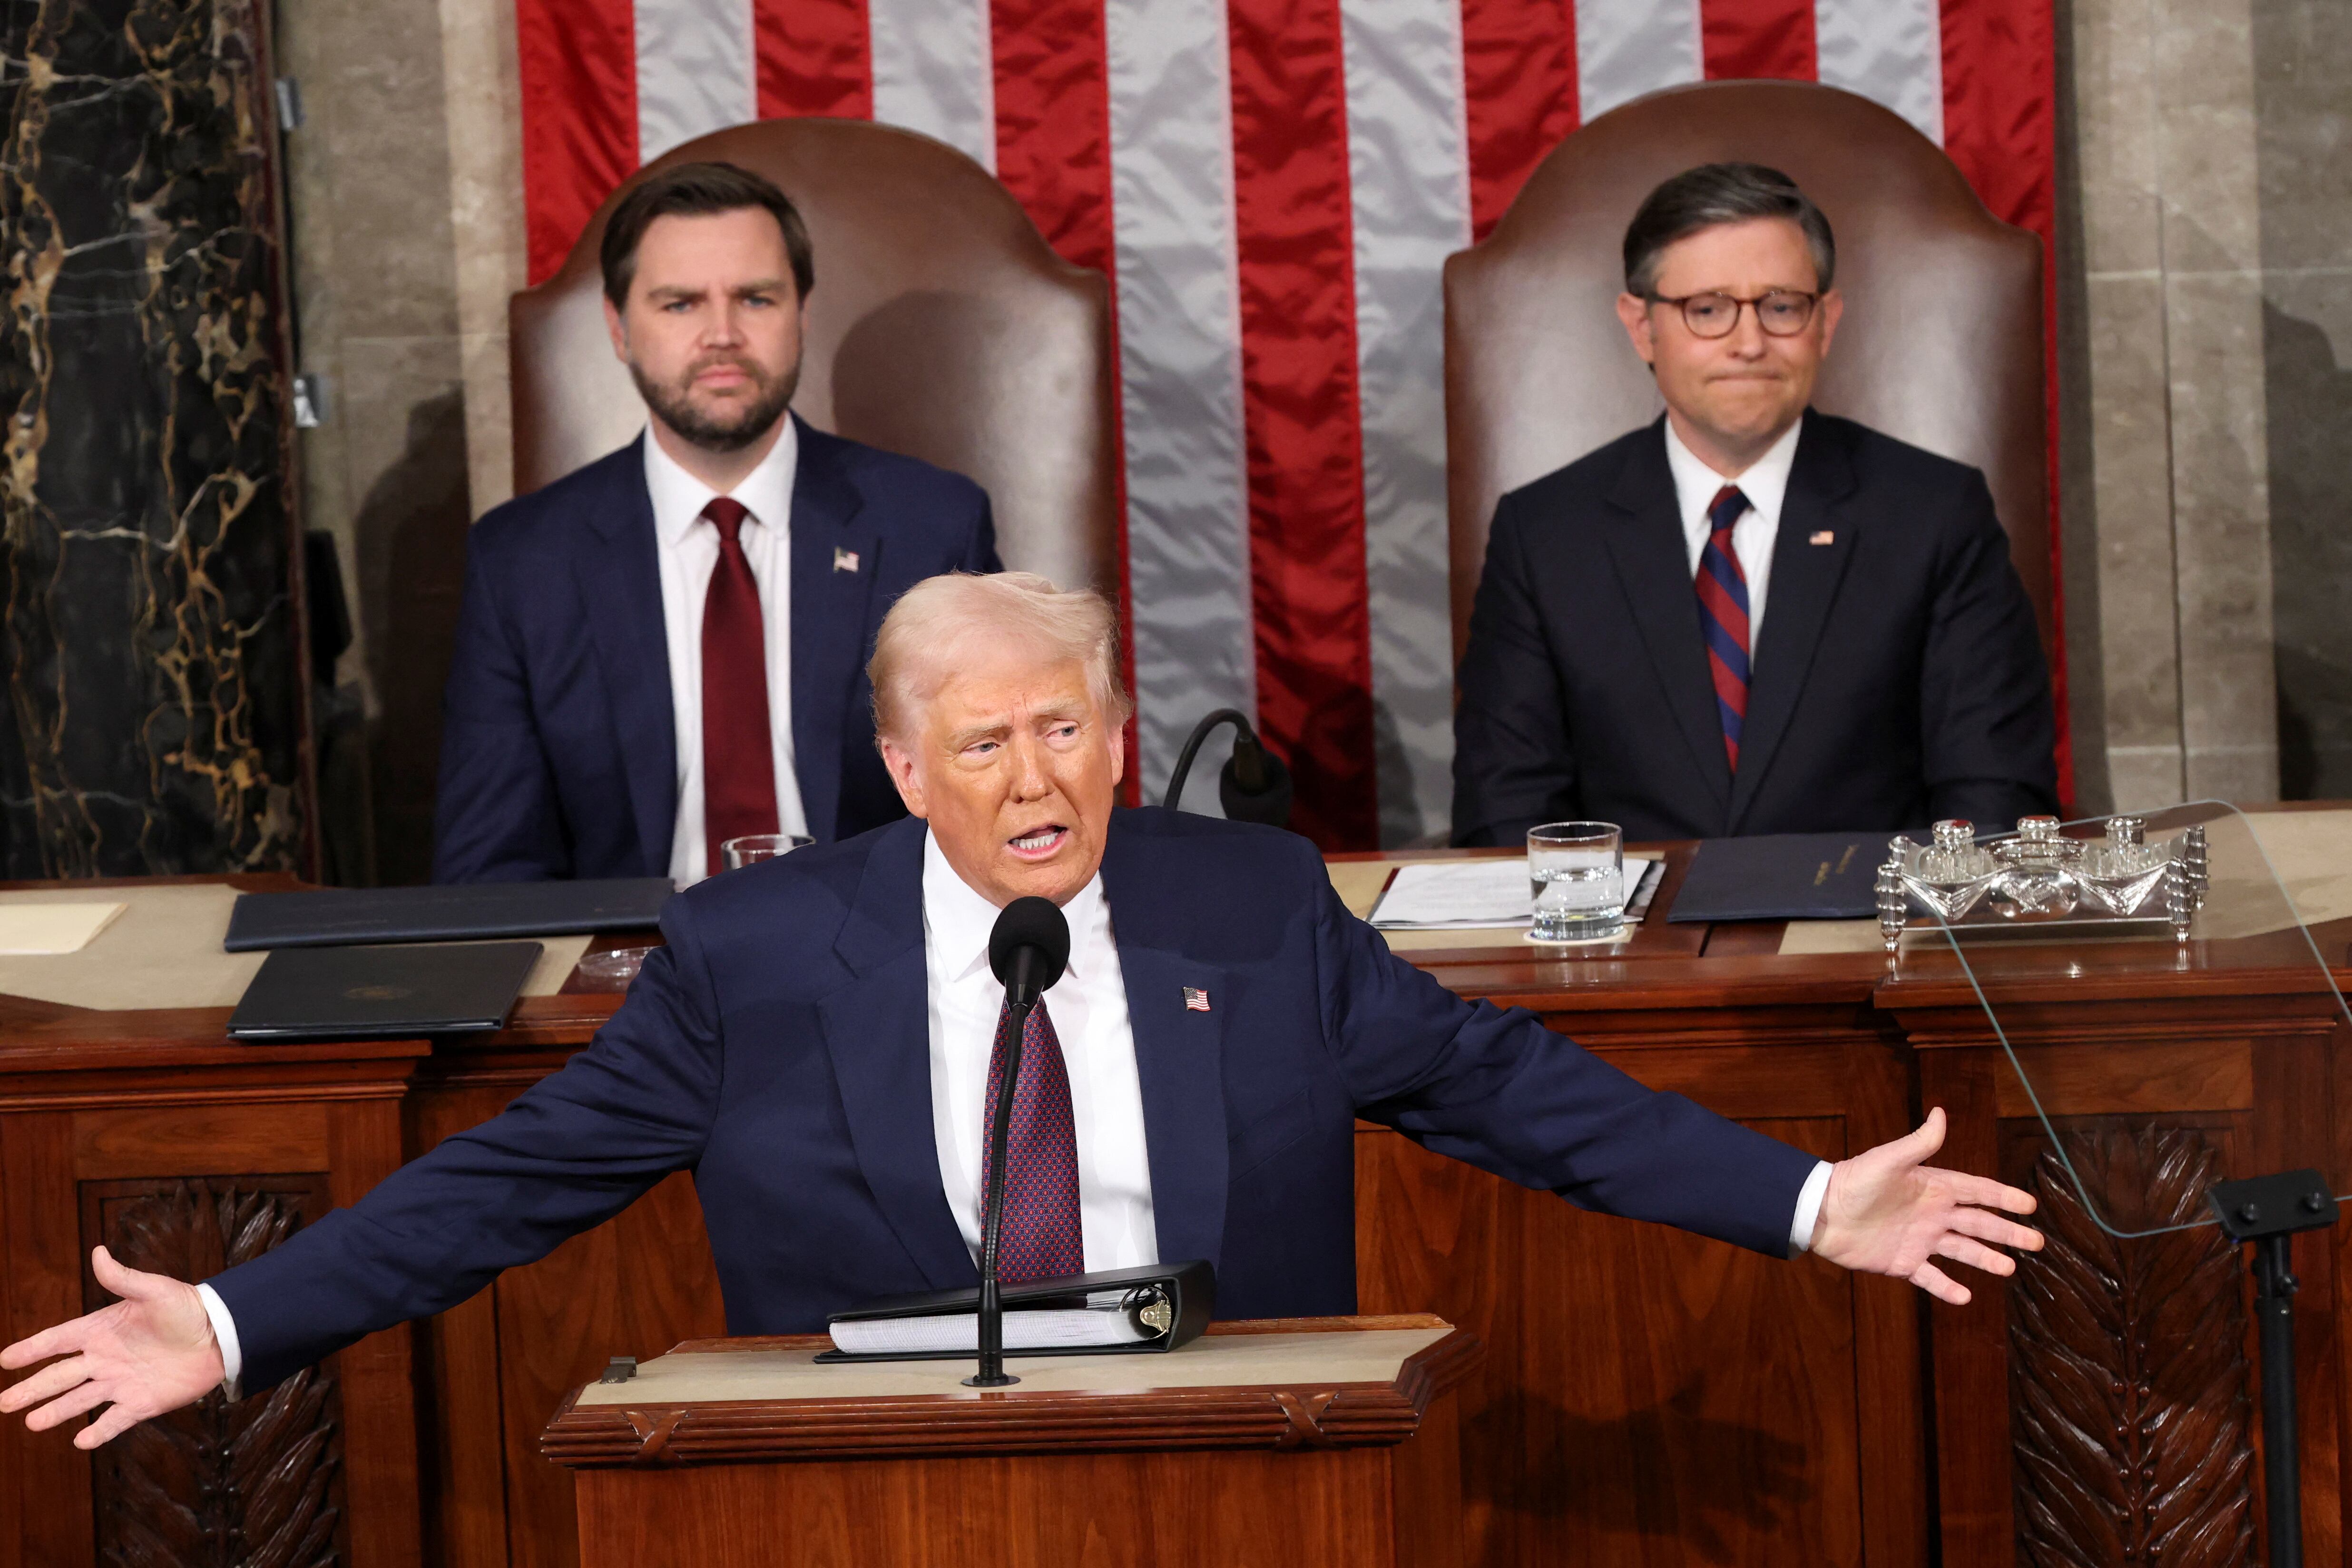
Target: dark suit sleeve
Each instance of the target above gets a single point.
(1499, 1090)
(1513, 764)
(495, 817)
(980, 549)
(569, 1154)
(1988, 734)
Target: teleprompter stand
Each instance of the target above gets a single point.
(2268, 1211)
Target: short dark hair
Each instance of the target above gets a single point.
(1715, 194)
(696, 190)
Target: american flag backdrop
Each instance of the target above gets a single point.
(1272, 187)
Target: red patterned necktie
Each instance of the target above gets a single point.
(1723, 616)
(1041, 1238)
(739, 765)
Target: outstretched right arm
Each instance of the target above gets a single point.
(568, 1154)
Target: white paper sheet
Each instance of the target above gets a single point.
(1465, 895)
(46, 930)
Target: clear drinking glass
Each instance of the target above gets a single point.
(1575, 872)
(741, 852)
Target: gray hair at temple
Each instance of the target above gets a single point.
(941, 624)
(1716, 193)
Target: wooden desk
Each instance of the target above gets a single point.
(1646, 1396)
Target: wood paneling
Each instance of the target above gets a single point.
(1648, 1397)
(217, 1485)
(219, 1136)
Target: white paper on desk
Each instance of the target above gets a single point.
(43, 931)
(1475, 895)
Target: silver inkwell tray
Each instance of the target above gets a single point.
(2036, 880)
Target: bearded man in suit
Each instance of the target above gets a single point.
(666, 650)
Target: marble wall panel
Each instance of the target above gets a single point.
(154, 721)
(484, 114)
(2303, 60)
(2132, 500)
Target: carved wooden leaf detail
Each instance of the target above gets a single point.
(253, 1485)
(2127, 1366)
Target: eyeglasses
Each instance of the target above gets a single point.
(1781, 312)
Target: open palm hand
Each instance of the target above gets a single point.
(150, 1353)
(1887, 1213)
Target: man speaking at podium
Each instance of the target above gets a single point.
(815, 1045)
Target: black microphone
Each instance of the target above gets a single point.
(1253, 786)
(1028, 951)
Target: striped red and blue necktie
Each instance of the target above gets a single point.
(1043, 1238)
(1723, 616)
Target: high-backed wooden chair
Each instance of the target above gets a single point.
(942, 326)
(1940, 346)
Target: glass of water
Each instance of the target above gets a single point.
(756, 847)
(1575, 872)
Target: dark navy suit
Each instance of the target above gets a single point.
(559, 754)
(779, 1049)
(1898, 673)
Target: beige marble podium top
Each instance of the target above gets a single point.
(1214, 1360)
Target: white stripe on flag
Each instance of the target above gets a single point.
(935, 71)
(1409, 177)
(1181, 377)
(695, 71)
(1890, 51)
(1627, 48)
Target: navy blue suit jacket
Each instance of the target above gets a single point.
(559, 751)
(1898, 673)
(779, 1049)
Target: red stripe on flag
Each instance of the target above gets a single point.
(1309, 588)
(576, 65)
(1052, 151)
(815, 57)
(2000, 94)
(1518, 80)
(1753, 39)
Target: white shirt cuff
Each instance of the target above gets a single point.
(233, 1355)
(1809, 1208)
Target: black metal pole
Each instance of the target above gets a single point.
(990, 1373)
(2274, 1288)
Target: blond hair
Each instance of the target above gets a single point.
(941, 618)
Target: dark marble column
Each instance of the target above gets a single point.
(148, 630)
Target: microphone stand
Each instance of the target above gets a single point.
(1020, 997)
(2268, 1212)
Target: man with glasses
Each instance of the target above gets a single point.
(1621, 663)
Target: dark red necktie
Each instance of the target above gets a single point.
(739, 765)
(1723, 616)
(1041, 1238)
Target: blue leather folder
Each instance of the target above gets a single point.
(337, 917)
(1783, 877)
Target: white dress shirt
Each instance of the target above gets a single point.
(687, 545)
(1765, 483)
(1089, 1008)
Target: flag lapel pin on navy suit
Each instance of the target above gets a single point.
(1195, 999)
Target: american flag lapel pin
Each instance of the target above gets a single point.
(1195, 999)
(846, 560)
(1822, 536)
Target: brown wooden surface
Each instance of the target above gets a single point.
(1646, 1397)
(1357, 1473)
(1017, 1420)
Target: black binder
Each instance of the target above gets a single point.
(332, 917)
(1187, 1289)
(1783, 877)
(382, 993)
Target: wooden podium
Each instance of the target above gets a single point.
(1305, 1440)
